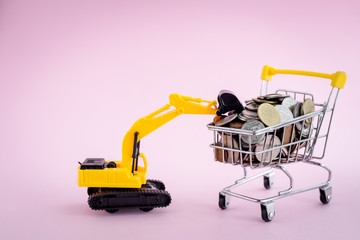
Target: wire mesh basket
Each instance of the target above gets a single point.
(284, 143)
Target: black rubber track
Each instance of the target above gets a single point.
(113, 198)
(158, 184)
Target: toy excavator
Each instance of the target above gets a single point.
(114, 185)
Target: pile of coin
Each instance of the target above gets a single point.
(259, 113)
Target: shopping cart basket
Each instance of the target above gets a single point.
(298, 138)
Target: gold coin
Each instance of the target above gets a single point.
(268, 114)
(228, 156)
(218, 118)
(293, 150)
(284, 152)
(219, 156)
(226, 120)
(307, 107)
(236, 124)
(296, 147)
(259, 101)
(246, 157)
(289, 135)
(270, 142)
(231, 142)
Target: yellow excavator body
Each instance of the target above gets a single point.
(118, 177)
(127, 173)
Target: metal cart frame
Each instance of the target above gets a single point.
(289, 151)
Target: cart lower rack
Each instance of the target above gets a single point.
(293, 141)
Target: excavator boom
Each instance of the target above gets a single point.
(148, 124)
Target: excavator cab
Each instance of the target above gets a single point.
(93, 163)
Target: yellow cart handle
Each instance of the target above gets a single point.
(338, 79)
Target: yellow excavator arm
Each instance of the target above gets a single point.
(148, 124)
(127, 173)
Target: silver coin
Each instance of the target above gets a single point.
(249, 101)
(275, 96)
(286, 159)
(296, 109)
(285, 113)
(306, 130)
(243, 118)
(244, 145)
(247, 118)
(303, 128)
(252, 107)
(289, 102)
(271, 141)
(226, 120)
(248, 113)
(252, 125)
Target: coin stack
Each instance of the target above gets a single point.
(259, 113)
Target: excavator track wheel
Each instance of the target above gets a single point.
(111, 210)
(156, 183)
(146, 209)
(91, 190)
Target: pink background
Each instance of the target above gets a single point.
(75, 75)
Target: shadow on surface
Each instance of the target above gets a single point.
(84, 210)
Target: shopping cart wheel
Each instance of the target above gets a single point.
(224, 201)
(267, 211)
(325, 194)
(268, 180)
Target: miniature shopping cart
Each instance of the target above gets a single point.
(298, 138)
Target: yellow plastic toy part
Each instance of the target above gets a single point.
(338, 79)
(124, 175)
(148, 124)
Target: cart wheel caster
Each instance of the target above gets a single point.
(267, 211)
(325, 194)
(268, 180)
(146, 209)
(224, 201)
(111, 210)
